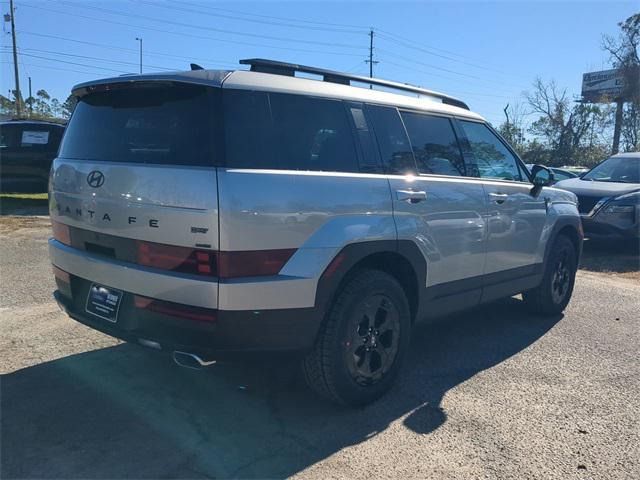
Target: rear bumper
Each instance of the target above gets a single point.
(232, 334)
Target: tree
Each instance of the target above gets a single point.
(69, 105)
(41, 106)
(624, 54)
(568, 132)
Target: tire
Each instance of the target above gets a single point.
(370, 311)
(552, 296)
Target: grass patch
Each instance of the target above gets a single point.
(24, 204)
(25, 196)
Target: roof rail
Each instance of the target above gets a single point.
(290, 69)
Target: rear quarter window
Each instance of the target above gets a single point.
(165, 124)
(287, 132)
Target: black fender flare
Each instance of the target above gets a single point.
(562, 222)
(349, 256)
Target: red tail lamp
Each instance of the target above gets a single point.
(178, 259)
(253, 262)
(61, 232)
(171, 309)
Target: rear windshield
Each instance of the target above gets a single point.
(160, 124)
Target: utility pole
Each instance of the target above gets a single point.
(140, 40)
(15, 60)
(618, 126)
(371, 61)
(30, 99)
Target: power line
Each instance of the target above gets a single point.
(190, 35)
(288, 19)
(49, 67)
(211, 29)
(461, 74)
(124, 49)
(91, 58)
(403, 41)
(71, 63)
(252, 20)
(430, 74)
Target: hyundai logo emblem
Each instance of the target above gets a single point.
(95, 179)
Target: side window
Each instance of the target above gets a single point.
(434, 143)
(288, 132)
(248, 129)
(393, 143)
(8, 136)
(492, 158)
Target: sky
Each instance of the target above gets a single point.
(486, 53)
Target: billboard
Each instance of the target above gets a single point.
(606, 84)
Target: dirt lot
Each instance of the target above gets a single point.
(493, 393)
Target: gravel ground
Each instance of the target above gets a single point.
(493, 393)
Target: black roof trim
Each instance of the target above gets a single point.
(289, 69)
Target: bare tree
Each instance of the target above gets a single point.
(565, 130)
(513, 128)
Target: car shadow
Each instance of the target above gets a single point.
(125, 412)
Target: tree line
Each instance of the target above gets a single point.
(40, 107)
(562, 131)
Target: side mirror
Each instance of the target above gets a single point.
(541, 176)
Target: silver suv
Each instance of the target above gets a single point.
(211, 213)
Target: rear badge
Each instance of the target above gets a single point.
(95, 179)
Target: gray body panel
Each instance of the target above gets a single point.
(317, 213)
(156, 203)
(449, 226)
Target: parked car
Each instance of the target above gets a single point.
(609, 197)
(214, 213)
(576, 169)
(27, 148)
(558, 173)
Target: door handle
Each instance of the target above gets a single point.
(498, 198)
(411, 196)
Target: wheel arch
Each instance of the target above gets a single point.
(399, 258)
(571, 227)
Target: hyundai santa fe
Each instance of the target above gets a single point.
(215, 213)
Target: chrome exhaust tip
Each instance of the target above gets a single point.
(191, 360)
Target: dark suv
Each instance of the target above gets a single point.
(27, 148)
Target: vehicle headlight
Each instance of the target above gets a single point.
(624, 203)
(619, 209)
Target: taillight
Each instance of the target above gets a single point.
(61, 232)
(178, 259)
(197, 314)
(253, 262)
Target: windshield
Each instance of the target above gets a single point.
(160, 124)
(616, 169)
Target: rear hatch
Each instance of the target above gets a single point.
(137, 163)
